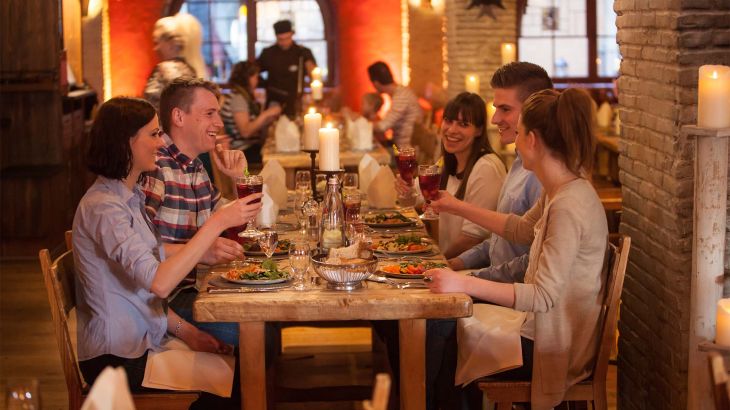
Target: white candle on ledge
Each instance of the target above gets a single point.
(312, 124)
(329, 148)
(713, 99)
(722, 325)
(316, 90)
(317, 74)
(509, 53)
(471, 83)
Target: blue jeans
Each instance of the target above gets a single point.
(182, 304)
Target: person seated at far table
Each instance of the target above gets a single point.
(245, 122)
(124, 271)
(404, 110)
(567, 228)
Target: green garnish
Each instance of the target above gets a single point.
(268, 271)
(407, 239)
(245, 172)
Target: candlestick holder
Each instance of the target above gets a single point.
(312, 167)
(328, 174)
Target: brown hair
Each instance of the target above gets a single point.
(472, 110)
(565, 123)
(528, 78)
(179, 94)
(242, 73)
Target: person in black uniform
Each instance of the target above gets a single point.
(286, 63)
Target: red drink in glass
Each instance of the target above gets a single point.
(245, 190)
(429, 186)
(407, 166)
(352, 210)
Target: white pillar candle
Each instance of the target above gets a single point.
(316, 74)
(316, 90)
(722, 328)
(491, 109)
(329, 149)
(471, 83)
(713, 100)
(509, 53)
(312, 124)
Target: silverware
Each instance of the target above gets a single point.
(213, 289)
(398, 285)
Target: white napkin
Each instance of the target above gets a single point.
(604, 115)
(109, 392)
(269, 210)
(180, 368)
(488, 342)
(275, 179)
(286, 135)
(367, 169)
(362, 134)
(349, 128)
(381, 192)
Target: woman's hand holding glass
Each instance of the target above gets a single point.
(240, 211)
(446, 203)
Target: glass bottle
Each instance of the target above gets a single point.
(332, 222)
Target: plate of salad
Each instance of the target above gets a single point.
(387, 220)
(264, 273)
(410, 269)
(403, 245)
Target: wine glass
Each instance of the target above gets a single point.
(268, 239)
(302, 177)
(428, 179)
(247, 185)
(310, 210)
(407, 164)
(349, 182)
(320, 184)
(299, 253)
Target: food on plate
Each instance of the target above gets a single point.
(266, 270)
(412, 267)
(403, 243)
(281, 247)
(383, 218)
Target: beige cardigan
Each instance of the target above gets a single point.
(563, 286)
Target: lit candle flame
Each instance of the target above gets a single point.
(714, 75)
(471, 78)
(508, 46)
(329, 125)
(311, 110)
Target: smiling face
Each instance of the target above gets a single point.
(507, 106)
(458, 135)
(201, 123)
(144, 145)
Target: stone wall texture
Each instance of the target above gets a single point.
(663, 43)
(425, 50)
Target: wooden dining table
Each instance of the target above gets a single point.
(411, 307)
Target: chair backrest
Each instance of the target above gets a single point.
(59, 280)
(617, 256)
(381, 392)
(720, 384)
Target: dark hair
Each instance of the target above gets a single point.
(565, 123)
(117, 121)
(179, 94)
(242, 73)
(528, 78)
(380, 72)
(467, 107)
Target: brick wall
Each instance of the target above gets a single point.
(662, 43)
(425, 50)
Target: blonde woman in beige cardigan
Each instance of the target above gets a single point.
(563, 285)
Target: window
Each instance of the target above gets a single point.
(566, 36)
(228, 39)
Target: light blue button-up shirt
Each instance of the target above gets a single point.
(508, 260)
(115, 255)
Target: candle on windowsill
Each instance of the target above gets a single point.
(316, 90)
(312, 124)
(722, 325)
(471, 83)
(316, 74)
(509, 53)
(713, 97)
(329, 148)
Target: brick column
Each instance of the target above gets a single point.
(662, 43)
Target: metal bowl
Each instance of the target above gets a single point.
(344, 277)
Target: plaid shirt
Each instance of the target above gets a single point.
(179, 194)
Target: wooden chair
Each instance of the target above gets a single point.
(720, 383)
(59, 279)
(381, 392)
(593, 389)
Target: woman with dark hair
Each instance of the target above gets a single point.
(562, 289)
(243, 119)
(124, 273)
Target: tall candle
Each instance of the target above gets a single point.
(722, 326)
(312, 124)
(329, 148)
(491, 109)
(317, 74)
(471, 82)
(316, 90)
(509, 53)
(713, 100)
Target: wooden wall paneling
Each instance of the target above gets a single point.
(72, 37)
(29, 40)
(31, 129)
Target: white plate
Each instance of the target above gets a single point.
(253, 281)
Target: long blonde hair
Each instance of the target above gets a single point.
(185, 32)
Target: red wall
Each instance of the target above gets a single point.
(368, 31)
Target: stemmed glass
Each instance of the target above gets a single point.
(349, 182)
(428, 179)
(268, 239)
(299, 253)
(247, 185)
(407, 164)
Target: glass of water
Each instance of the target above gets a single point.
(268, 239)
(299, 253)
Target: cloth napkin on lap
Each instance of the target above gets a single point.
(367, 169)
(381, 192)
(286, 135)
(180, 368)
(275, 179)
(488, 342)
(266, 218)
(109, 392)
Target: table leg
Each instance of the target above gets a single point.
(412, 336)
(252, 367)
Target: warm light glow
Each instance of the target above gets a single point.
(508, 53)
(242, 11)
(405, 46)
(444, 55)
(312, 110)
(415, 3)
(714, 75)
(94, 8)
(106, 66)
(438, 5)
(329, 125)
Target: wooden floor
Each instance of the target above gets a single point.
(28, 349)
